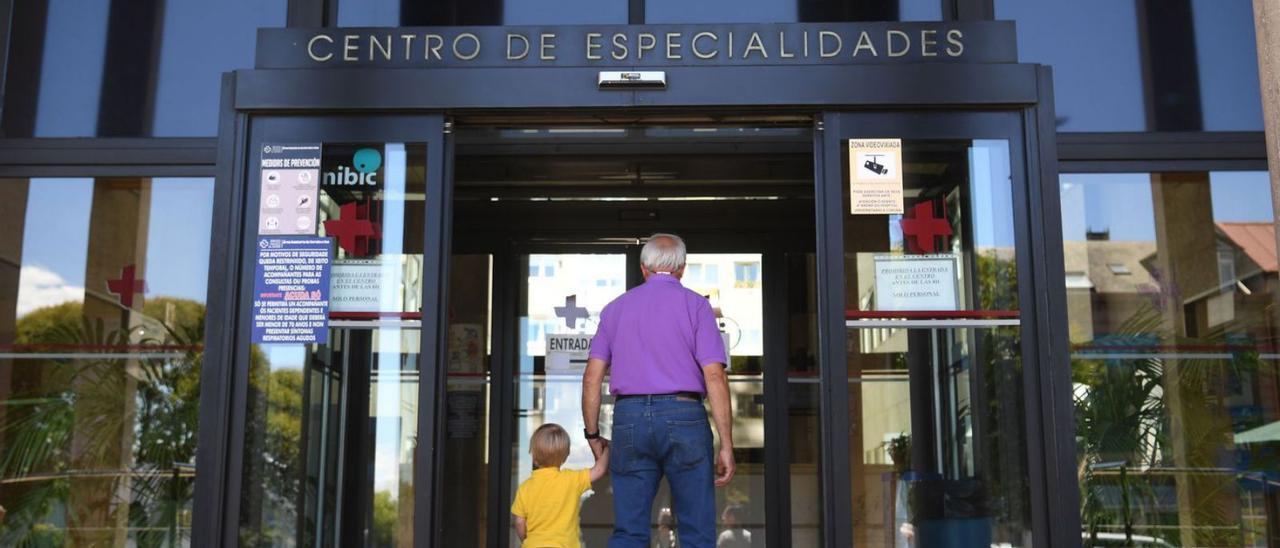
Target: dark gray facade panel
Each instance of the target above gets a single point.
(779, 88)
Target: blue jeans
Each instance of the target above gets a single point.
(655, 436)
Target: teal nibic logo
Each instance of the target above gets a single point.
(366, 160)
(363, 171)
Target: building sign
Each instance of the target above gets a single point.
(916, 282)
(290, 184)
(291, 290)
(630, 46)
(567, 353)
(875, 176)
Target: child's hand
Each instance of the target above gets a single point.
(599, 445)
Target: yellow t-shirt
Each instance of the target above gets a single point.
(549, 501)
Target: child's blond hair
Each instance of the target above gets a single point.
(549, 446)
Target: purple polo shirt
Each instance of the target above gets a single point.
(657, 337)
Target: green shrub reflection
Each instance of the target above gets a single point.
(101, 450)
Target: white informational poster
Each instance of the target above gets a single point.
(917, 282)
(568, 353)
(372, 285)
(875, 176)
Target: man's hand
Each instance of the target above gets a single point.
(724, 466)
(598, 446)
(722, 414)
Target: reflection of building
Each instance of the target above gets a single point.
(1187, 315)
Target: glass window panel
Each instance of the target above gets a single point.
(127, 69)
(790, 11)
(1174, 364)
(1099, 82)
(390, 13)
(395, 13)
(102, 289)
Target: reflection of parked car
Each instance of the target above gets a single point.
(1118, 539)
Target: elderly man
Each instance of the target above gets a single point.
(664, 348)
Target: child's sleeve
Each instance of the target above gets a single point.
(584, 480)
(518, 506)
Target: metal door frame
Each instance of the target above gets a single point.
(255, 96)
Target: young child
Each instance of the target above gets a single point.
(546, 505)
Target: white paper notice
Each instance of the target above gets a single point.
(368, 285)
(916, 282)
(567, 353)
(875, 176)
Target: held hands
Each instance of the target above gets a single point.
(598, 446)
(724, 466)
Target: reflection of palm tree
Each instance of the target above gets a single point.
(1135, 416)
(103, 428)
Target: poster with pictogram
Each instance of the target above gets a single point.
(290, 183)
(875, 176)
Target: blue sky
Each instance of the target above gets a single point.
(1094, 50)
(201, 40)
(56, 235)
(1121, 202)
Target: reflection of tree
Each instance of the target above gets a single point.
(1148, 424)
(64, 429)
(273, 467)
(385, 515)
(998, 420)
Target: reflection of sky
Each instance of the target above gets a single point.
(203, 39)
(382, 13)
(71, 71)
(178, 238)
(563, 12)
(369, 13)
(1227, 52)
(200, 41)
(56, 235)
(992, 199)
(1093, 46)
(56, 231)
(1122, 202)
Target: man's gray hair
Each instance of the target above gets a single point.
(663, 253)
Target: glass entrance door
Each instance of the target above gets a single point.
(333, 450)
(931, 260)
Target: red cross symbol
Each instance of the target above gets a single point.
(354, 230)
(127, 285)
(922, 229)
